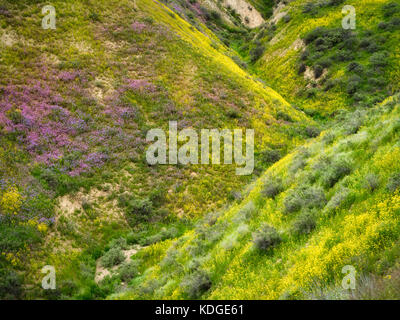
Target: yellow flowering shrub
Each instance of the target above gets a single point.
(10, 201)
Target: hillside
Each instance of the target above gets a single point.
(76, 104)
(76, 190)
(333, 202)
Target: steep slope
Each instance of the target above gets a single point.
(75, 105)
(306, 55)
(333, 203)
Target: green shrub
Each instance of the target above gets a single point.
(286, 18)
(120, 243)
(379, 59)
(270, 156)
(284, 116)
(343, 55)
(354, 124)
(266, 238)
(354, 66)
(318, 70)
(293, 203)
(196, 284)
(127, 271)
(235, 195)
(240, 62)
(390, 9)
(369, 45)
(353, 84)
(371, 182)
(338, 170)
(272, 187)
(302, 68)
(311, 8)
(256, 52)
(378, 82)
(94, 16)
(112, 257)
(304, 197)
(299, 160)
(312, 132)
(157, 196)
(304, 224)
(10, 285)
(338, 199)
(394, 182)
(139, 210)
(325, 62)
(14, 237)
(329, 137)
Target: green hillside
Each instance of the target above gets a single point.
(333, 202)
(76, 190)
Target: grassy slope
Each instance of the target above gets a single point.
(113, 71)
(280, 64)
(355, 225)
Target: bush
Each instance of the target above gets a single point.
(378, 82)
(305, 197)
(331, 83)
(394, 182)
(354, 66)
(196, 284)
(338, 170)
(353, 84)
(293, 203)
(256, 52)
(310, 7)
(272, 188)
(304, 224)
(94, 16)
(344, 55)
(302, 68)
(354, 124)
(270, 156)
(128, 271)
(318, 70)
(325, 62)
(304, 55)
(240, 62)
(120, 243)
(379, 59)
(338, 199)
(390, 9)
(329, 137)
(14, 237)
(284, 116)
(112, 257)
(299, 162)
(139, 210)
(312, 132)
(157, 196)
(369, 45)
(371, 182)
(266, 238)
(287, 18)
(10, 285)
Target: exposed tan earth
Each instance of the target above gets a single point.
(250, 16)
